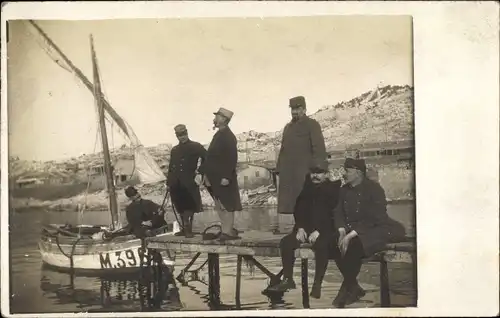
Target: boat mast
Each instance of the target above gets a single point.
(84, 80)
(113, 205)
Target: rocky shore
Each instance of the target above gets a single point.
(397, 189)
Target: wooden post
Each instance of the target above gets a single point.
(385, 297)
(415, 275)
(213, 280)
(305, 284)
(238, 281)
(159, 278)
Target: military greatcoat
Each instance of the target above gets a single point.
(302, 148)
(182, 169)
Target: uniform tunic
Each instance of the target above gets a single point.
(140, 211)
(221, 160)
(315, 205)
(182, 167)
(302, 147)
(363, 209)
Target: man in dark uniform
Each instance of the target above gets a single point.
(364, 227)
(302, 148)
(314, 224)
(182, 171)
(142, 215)
(219, 170)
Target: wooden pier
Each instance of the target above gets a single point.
(255, 244)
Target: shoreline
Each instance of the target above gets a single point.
(51, 206)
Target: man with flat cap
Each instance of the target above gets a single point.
(302, 148)
(313, 216)
(363, 226)
(143, 216)
(219, 170)
(182, 171)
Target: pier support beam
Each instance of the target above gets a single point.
(385, 297)
(238, 281)
(214, 280)
(305, 283)
(182, 275)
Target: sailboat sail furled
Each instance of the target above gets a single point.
(146, 167)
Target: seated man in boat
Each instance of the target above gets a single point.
(363, 226)
(313, 215)
(182, 170)
(142, 216)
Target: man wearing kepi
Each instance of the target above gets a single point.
(219, 170)
(182, 171)
(302, 148)
(364, 227)
(313, 224)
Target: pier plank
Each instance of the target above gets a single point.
(266, 244)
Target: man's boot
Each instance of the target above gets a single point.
(355, 293)
(285, 285)
(316, 290)
(182, 232)
(189, 224)
(341, 298)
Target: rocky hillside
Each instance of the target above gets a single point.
(383, 114)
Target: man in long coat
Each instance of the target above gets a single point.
(302, 148)
(364, 227)
(182, 168)
(219, 170)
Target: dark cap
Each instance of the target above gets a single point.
(319, 166)
(180, 129)
(318, 170)
(297, 101)
(358, 164)
(131, 192)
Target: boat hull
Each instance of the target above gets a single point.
(122, 254)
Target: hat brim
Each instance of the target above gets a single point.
(317, 170)
(219, 113)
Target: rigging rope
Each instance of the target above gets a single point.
(80, 216)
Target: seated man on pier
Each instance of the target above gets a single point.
(313, 215)
(142, 216)
(364, 227)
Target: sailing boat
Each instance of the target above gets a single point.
(79, 248)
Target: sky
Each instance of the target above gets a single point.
(159, 73)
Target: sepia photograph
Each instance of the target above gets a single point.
(204, 156)
(194, 164)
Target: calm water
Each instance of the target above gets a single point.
(36, 289)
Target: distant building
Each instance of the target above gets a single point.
(27, 182)
(381, 152)
(251, 176)
(96, 170)
(35, 179)
(124, 171)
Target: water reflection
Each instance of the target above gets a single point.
(110, 293)
(39, 289)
